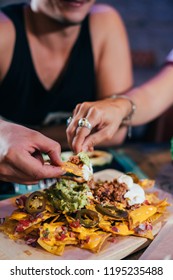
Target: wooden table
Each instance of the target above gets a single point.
(148, 160)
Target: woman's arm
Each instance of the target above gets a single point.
(153, 97)
(106, 116)
(111, 50)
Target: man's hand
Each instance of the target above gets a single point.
(21, 158)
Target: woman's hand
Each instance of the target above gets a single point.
(21, 158)
(105, 117)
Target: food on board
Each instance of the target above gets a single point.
(85, 214)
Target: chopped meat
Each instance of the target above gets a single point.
(109, 192)
(91, 183)
(76, 160)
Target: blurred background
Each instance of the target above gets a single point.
(149, 26)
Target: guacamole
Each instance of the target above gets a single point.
(68, 195)
(84, 158)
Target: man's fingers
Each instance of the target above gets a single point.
(38, 156)
(34, 169)
(51, 148)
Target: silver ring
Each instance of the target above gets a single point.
(83, 122)
(69, 120)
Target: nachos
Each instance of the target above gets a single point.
(79, 166)
(85, 214)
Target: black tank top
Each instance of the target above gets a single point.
(23, 98)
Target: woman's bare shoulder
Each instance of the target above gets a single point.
(7, 29)
(7, 32)
(106, 12)
(107, 19)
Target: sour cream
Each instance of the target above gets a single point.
(135, 193)
(87, 172)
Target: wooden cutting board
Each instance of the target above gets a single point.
(162, 246)
(17, 250)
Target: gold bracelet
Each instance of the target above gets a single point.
(127, 120)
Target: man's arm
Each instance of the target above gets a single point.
(21, 158)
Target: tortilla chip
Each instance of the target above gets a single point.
(72, 168)
(139, 215)
(146, 234)
(146, 183)
(56, 234)
(8, 227)
(18, 215)
(120, 228)
(94, 241)
(54, 249)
